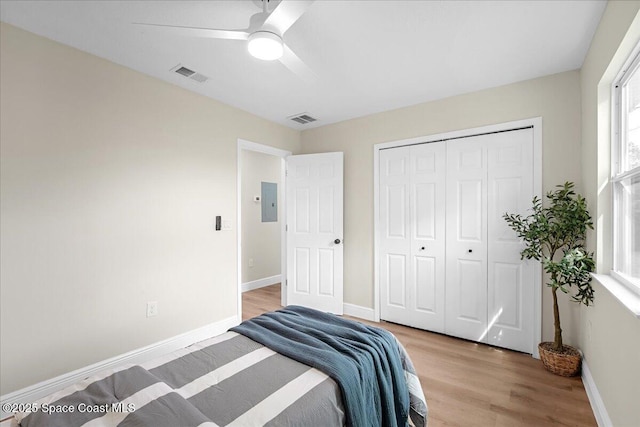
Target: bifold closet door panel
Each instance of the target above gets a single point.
(510, 290)
(466, 246)
(412, 235)
(428, 238)
(394, 221)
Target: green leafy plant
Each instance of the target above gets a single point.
(555, 236)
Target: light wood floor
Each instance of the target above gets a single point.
(470, 384)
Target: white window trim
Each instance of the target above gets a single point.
(620, 291)
(626, 281)
(615, 282)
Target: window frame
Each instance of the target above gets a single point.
(618, 141)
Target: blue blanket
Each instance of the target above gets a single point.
(363, 360)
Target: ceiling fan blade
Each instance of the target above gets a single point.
(286, 14)
(211, 33)
(290, 60)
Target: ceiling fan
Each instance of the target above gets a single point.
(263, 36)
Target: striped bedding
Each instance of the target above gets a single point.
(229, 380)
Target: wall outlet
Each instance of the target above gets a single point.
(250, 262)
(152, 308)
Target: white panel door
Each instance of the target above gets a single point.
(395, 221)
(412, 235)
(466, 252)
(315, 231)
(510, 280)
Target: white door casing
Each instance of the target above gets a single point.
(412, 235)
(315, 231)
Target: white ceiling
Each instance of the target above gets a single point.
(368, 56)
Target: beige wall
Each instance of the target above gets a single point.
(610, 334)
(111, 181)
(260, 240)
(555, 98)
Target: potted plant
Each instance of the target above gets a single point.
(555, 236)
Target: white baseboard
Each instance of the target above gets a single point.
(141, 355)
(261, 283)
(358, 311)
(597, 404)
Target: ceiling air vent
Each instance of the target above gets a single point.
(190, 74)
(302, 118)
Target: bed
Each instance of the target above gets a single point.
(292, 367)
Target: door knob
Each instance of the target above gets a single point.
(337, 241)
(422, 248)
(470, 250)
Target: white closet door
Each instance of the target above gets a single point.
(448, 261)
(466, 253)
(427, 203)
(395, 247)
(510, 290)
(412, 237)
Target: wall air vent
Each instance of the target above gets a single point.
(302, 118)
(190, 74)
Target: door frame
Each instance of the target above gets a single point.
(243, 144)
(536, 123)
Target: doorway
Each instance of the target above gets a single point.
(255, 261)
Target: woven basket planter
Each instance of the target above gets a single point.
(567, 363)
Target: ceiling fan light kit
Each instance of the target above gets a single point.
(265, 45)
(263, 36)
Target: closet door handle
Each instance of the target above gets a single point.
(337, 241)
(470, 250)
(422, 248)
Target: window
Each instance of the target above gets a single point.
(626, 175)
